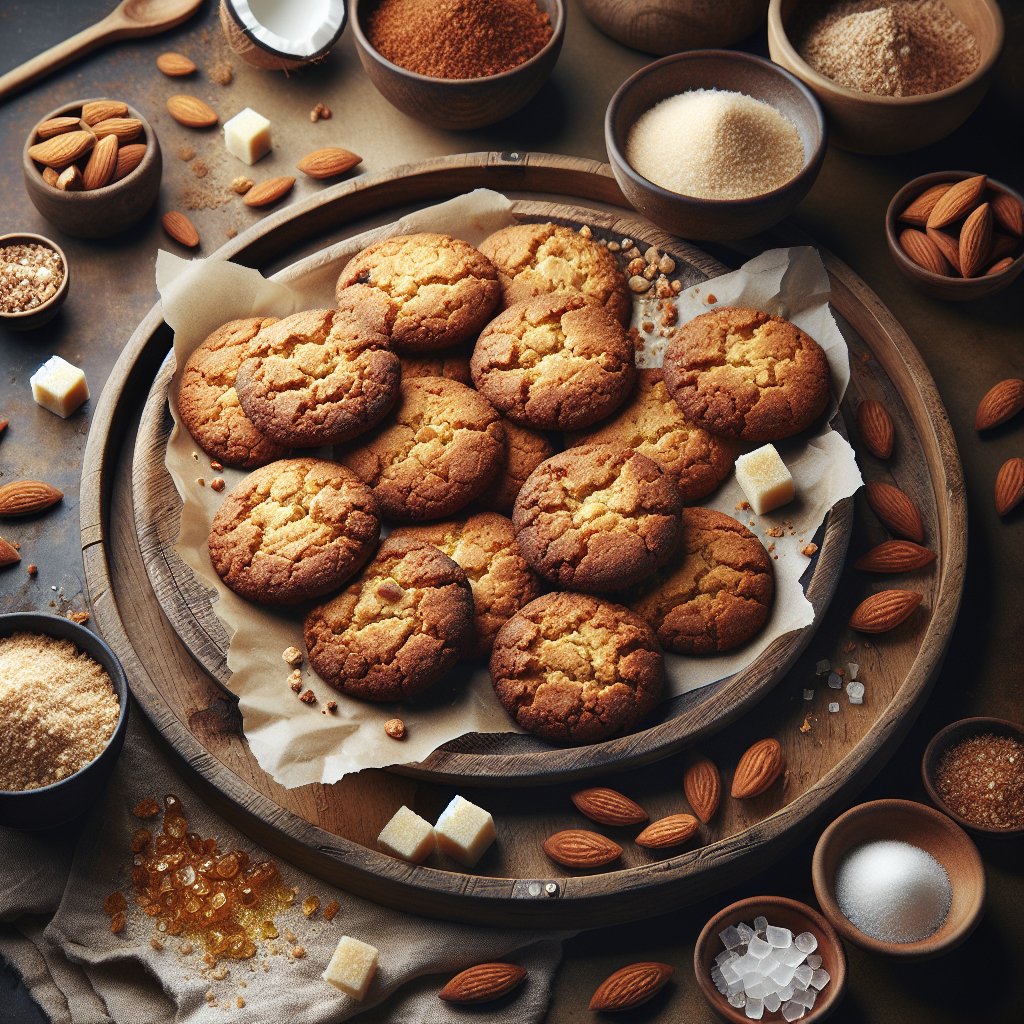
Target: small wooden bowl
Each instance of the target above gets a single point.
(949, 737)
(784, 913)
(714, 219)
(867, 123)
(458, 104)
(100, 212)
(949, 289)
(32, 318)
(923, 827)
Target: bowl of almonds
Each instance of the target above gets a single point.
(957, 234)
(92, 167)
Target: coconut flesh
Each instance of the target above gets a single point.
(296, 30)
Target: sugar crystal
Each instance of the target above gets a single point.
(726, 957)
(767, 965)
(780, 938)
(783, 974)
(814, 961)
(791, 956)
(802, 975)
(852, 669)
(792, 1011)
(855, 691)
(822, 667)
(758, 948)
(761, 923)
(754, 1008)
(808, 695)
(833, 707)
(835, 680)
(806, 942)
(786, 992)
(772, 1002)
(737, 999)
(820, 978)
(731, 938)
(730, 973)
(746, 932)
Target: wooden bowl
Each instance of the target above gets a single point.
(668, 26)
(784, 913)
(923, 827)
(714, 219)
(103, 211)
(867, 123)
(949, 737)
(949, 289)
(32, 318)
(458, 104)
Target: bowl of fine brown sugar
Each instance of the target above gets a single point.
(63, 718)
(892, 75)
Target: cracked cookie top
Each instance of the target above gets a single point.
(573, 669)
(439, 450)
(741, 373)
(397, 629)
(537, 259)
(527, 449)
(293, 530)
(441, 289)
(597, 518)
(716, 591)
(208, 402)
(555, 362)
(453, 364)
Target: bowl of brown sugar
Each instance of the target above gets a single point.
(458, 64)
(63, 718)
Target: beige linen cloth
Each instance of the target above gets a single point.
(56, 934)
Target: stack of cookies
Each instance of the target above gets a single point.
(541, 496)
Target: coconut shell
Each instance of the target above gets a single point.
(250, 51)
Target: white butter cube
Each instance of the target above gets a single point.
(59, 386)
(408, 836)
(764, 479)
(352, 967)
(464, 831)
(247, 136)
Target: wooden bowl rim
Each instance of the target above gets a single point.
(61, 293)
(942, 741)
(923, 948)
(754, 905)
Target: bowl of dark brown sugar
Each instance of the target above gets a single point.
(458, 64)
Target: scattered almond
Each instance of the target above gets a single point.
(702, 786)
(58, 126)
(630, 986)
(957, 202)
(8, 554)
(920, 209)
(578, 848)
(923, 251)
(23, 497)
(976, 241)
(128, 158)
(102, 162)
(181, 229)
(483, 983)
(758, 768)
(895, 510)
(62, 150)
(949, 247)
(1009, 486)
(102, 110)
(124, 128)
(268, 192)
(328, 162)
(884, 611)
(70, 179)
(672, 830)
(175, 65)
(1001, 403)
(1008, 213)
(608, 806)
(876, 428)
(191, 112)
(895, 556)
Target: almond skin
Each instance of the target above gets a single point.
(483, 983)
(958, 201)
(23, 497)
(997, 268)
(58, 126)
(876, 428)
(895, 556)
(884, 611)
(191, 112)
(328, 162)
(8, 554)
(920, 249)
(578, 848)
(949, 247)
(665, 832)
(1008, 213)
(608, 806)
(267, 192)
(128, 158)
(101, 110)
(758, 768)
(918, 211)
(62, 150)
(175, 65)
(702, 785)
(630, 986)
(1001, 403)
(102, 162)
(1009, 486)
(976, 241)
(895, 510)
(126, 129)
(181, 229)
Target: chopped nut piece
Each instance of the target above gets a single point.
(309, 697)
(666, 264)
(216, 466)
(614, 247)
(241, 184)
(33, 570)
(389, 591)
(639, 284)
(636, 266)
(632, 253)
(295, 681)
(217, 484)
(586, 232)
(395, 728)
(298, 952)
(292, 656)
(809, 550)
(80, 617)
(332, 706)
(677, 286)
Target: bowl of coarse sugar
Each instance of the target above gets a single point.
(63, 718)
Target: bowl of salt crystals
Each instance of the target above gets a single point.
(714, 144)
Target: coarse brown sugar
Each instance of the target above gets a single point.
(30, 275)
(981, 779)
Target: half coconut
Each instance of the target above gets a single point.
(282, 34)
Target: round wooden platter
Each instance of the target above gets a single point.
(331, 830)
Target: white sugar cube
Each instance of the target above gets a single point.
(726, 956)
(835, 680)
(247, 136)
(764, 479)
(783, 974)
(855, 691)
(802, 975)
(820, 978)
(59, 386)
(852, 669)
(464, 831)
(755, 990)
(772, 1002)
(746, 932)
(780, 938)
(833, 707)
(814, 961)
(730, 937)
(408, 836)
(767, 965)
(806, 942)
(791, 956)
(737, 999)
(759, 948)
(760, 924)
(786, 992)
(352, 967)
(792, 1011)
(730, 974)
(754, 1008)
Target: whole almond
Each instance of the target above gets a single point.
(976, 241)
(672, 830)
(99, 171)
(895, 556)
(8, 554)
(267, 192)
(62, 150)
(702, 786)
(50, 176)
(23, 497)
(884, 611)
(895, 510)
(1009, 486)
(70, 179)
(876, 428)
(630, 986)
(128, 158)
(191, 112)
(997, 268)
(1003, 246)
(918, 211)
(181, 229)
(949, 247)
(58, 126)
(101, 110)
(175, 65)
(958, 201)
(328, 162)
(608, 806)
(758, 768)
(1008, 213)
(1002, 402)
(124, 128)
(920, 249)
(578, 848)
(483, 983)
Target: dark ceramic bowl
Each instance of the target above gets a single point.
(713, 219)
(49, 806)
(100, 212)
(458, 104)
(32, 318)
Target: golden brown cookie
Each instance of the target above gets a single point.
(484, 546)
(293, 530)
(397, 629)
(527, 449)
(572, 669)
(440, 449)
(537, 259)
(208, 403)
(654, 425)
(323, 375)
(441, 289)
(744, 374)
(597, 518)
(453, 364)
(716, 591)
(556, 362)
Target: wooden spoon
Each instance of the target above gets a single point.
(131, 18)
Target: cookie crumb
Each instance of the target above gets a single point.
(33, 570)
(156, 944)
(217, 484)
(742, 506)
(200, 168)
(200, 481)
(810, 550)
(80, 617)
(309, 697)
(222, 72)
(332, 706)
(216, 466)
(292, 656)
(295, 681)
(241, 184)
(806, 724)
(395, 728)
(186, 153)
